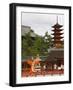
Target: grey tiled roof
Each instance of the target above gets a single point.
(55, 53)
(26, 29)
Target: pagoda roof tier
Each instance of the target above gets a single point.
(57, 30)
(56, 33)
(57, 37)
(58, 41)
(57, 25)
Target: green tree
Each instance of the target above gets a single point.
(37, 45)
(48, 40)
(27, 43)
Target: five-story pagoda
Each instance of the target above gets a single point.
(57, 33)
(56, 53)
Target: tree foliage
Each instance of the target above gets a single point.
(31, 46)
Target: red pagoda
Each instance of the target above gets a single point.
(57, 39)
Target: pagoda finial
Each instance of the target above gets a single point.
(57, 19)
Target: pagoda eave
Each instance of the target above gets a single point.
(57, 33)
(56, 30)
(57, 25)
(58, 41)
(57, 37)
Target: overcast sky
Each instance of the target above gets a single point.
(41, 23)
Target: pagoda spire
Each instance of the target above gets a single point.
(57, 19)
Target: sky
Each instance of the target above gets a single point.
(41, 22)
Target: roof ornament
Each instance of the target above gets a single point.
(57, 19)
